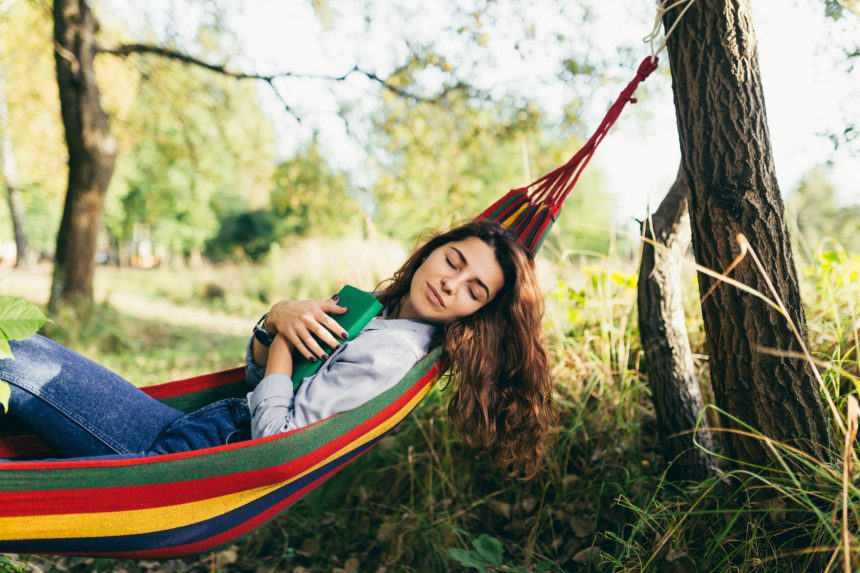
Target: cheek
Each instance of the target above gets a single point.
(468, 307)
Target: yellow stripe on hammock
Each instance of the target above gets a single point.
(373, 433)
(128, 522)
(512, 219)
(137, 521)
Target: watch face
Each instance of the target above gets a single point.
(263, 336)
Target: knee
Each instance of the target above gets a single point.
(33, 358)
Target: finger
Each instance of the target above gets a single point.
(332, 307)
(300, 347)
(314, 346)
(332, 325)
(329, 326)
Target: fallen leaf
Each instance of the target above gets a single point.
(589, 555)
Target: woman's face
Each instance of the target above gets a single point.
(454, 281)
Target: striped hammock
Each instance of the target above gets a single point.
(191, 502)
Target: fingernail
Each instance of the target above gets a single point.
(325, 356)
(345, 334)
(336, 297)
(313, 358)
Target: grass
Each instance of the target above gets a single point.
(602, 503)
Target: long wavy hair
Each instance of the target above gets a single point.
(499, 369)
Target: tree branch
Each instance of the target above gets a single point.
(124, 50)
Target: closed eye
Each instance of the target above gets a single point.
(450, 264)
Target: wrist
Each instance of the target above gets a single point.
(270, 327)
(263, 331)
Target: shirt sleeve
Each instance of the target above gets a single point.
(253, 372)
(358, 374)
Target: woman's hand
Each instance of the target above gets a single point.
(298, 320)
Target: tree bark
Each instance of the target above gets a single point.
(92, 152)
(10, 177)
(727, 159)
(672, 378)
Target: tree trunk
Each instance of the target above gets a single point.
(727, 159)
(10, 177)
(92, 152)
(671, 375)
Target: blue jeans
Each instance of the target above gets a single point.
(84, 410)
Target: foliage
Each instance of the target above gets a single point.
(837, 9)
(26, 59)
(247, 234)
(437, 164)
(199, 149)
(820, 218)
(309, 196)
(194, 146)
(488, 556)
(9, 566)
(19, 319)
(443, 162)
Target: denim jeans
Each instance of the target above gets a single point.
(84, 410)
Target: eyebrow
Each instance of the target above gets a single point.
(465, 262)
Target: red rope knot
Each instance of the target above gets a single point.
(647, 66)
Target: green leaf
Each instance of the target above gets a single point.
(468, 558)
(19, 319)
(489, 548)
(628, 281)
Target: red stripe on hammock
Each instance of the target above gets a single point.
(195, 384)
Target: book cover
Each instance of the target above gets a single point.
(361, 308)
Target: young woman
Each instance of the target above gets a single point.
(471, 290)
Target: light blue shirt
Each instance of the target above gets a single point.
(357, 371)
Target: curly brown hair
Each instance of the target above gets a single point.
(499, 368)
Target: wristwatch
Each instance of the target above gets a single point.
(261, 334)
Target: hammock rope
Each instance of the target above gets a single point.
(662, 9)
(532, 210)
(191, 502)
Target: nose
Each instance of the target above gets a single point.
(450, 285)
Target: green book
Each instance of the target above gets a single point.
(361, 308)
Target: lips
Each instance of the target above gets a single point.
(434, 296)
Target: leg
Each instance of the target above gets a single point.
(78, 406)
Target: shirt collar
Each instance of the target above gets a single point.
(379, 323)
(418, 326)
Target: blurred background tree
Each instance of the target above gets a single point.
(821, 218)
